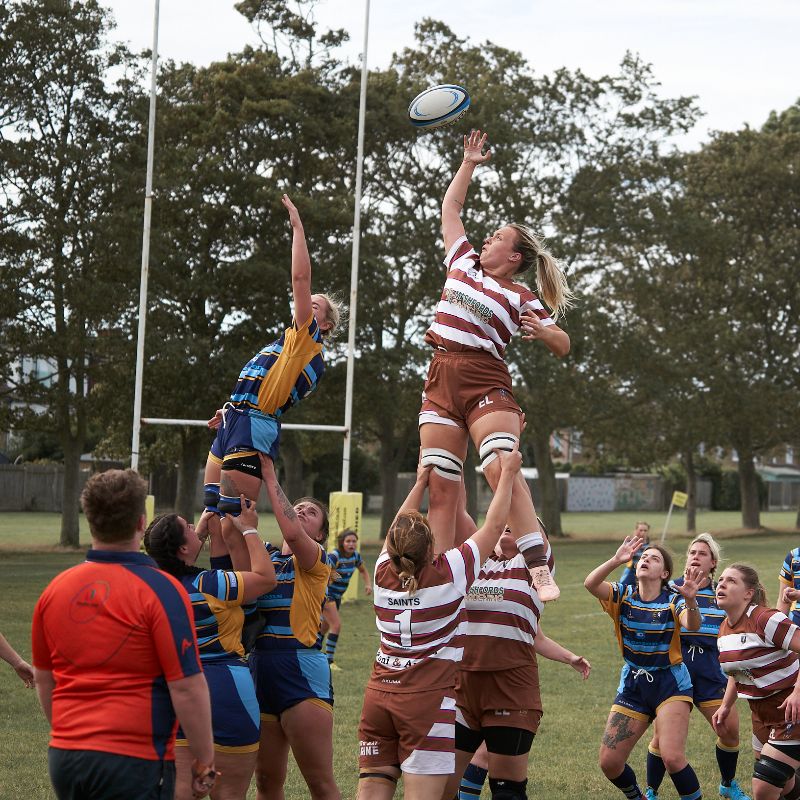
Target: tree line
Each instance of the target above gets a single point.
(686, 335)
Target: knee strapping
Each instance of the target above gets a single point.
(376, 776)
(508, 790)
(444, 463)
(211, 497)
(496, 441)
(772, 771)
(229, 505)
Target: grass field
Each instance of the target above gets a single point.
(564, 757)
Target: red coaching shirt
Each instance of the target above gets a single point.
(113, 631)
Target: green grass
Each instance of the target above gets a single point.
(40, 530)
(564, 757)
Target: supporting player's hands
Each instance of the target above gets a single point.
(248, 519)
(216, 420)
(510, 461)
(531, 326)
(692, 579)
(201, 529)
(267, 465)
(628, 547)
(791, 706)
(294, 214)
(580, 665)
(473, 147)
(424, 474)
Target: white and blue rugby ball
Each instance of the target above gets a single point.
(439, 106)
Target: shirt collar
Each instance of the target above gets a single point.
(119, 557)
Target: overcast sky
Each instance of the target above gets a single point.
(740, 57)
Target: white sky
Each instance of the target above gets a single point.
(740, 57)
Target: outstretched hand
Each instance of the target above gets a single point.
(628, 547)
(531, 326)
(473, 147)
(691, 583)
(294, 214)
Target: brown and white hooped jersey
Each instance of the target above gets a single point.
(503, 612)
(422, 633)
(755, 652)
(477, 311)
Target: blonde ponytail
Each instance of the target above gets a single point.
(551, 283)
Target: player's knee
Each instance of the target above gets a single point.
(229, 505)
(445, 464)
(503, 442)
(674, 762)
(508, 790)
(269, 776)
(770, 770)
(611, 764)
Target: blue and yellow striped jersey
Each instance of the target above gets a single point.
(648, 632)
(293, 609)
(790, 576)
(712, 617)
(216, 598)
(345, 566)
(283, 373)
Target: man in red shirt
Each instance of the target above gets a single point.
(116, 659)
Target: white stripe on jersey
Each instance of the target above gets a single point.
(772, 626)
(733, 642)
(498, 631)
(462, 337)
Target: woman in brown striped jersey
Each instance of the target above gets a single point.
(758, 649)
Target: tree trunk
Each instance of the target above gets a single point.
(797, 521)
(691, 491)
(748, 487)
(70, 500)
(292, 457)
(188, 466)
(550, 512)
(471, 482)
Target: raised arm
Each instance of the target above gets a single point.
(487, 536)
(596, 582)
(305, 549)
(690, 617)
(456, 194)
(414, 498)
(260, 579)
(301, 265)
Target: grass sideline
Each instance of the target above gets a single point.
(37, 530)
(564, 756)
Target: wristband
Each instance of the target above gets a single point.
(692, 608)
(250, 532)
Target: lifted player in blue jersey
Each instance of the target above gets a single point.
(700, 654)
(655, 683)
(278, 377)
(344, 560)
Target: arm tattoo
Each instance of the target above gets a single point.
(617, 730)
(286, 506)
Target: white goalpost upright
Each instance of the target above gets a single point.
(346, 428)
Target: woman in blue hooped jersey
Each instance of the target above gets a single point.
(700, 654)
(278, 377)
(344, 560)
(655, 683)
(291, 674)
(217, 596)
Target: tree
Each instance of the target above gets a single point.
(66, 231)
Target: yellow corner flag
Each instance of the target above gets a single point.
(680, 499)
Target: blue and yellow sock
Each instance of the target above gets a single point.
(727, 758)
(686, 783)
(472, 782)
(330, 646)
(655, 768)
(626, 783)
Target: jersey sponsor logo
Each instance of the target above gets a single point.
(185, 645)
(502, 712)
(486, 594)
(485, 401)
(404, 601)
(475, 307)
(393, 662)
(369, 749)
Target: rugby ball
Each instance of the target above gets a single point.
(438, 106)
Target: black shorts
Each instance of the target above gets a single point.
(94, 775)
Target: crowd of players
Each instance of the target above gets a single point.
(128, 640)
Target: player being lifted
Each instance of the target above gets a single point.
(468, 388)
